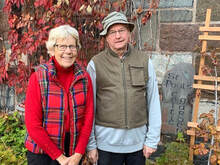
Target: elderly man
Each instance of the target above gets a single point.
(128, 116)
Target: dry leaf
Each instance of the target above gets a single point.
(67, 2)
(89, 9)
(82, 7)
(202, 115)
(139, 10)
(213, 159)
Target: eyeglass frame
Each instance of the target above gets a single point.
(74, 47)
(114, 32)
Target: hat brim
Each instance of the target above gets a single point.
(104, 32)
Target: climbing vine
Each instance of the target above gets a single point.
(30, 20)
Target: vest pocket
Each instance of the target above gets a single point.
(139, 115)
(54, 132)
(137, 75)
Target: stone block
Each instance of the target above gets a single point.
(163, 62)
(2, 4)
(203, 5)
(179, 37)
(175, 3)
(144, 4)
(166, 3)
(4, 22)
(205, 105)
(175, 16)
(3, 28)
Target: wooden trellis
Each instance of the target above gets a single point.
(199, 86)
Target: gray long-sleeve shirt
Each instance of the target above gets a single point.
(129, 140)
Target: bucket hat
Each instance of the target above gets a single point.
(115, 18)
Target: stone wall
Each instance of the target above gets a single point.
(172, 33)
(171, 36)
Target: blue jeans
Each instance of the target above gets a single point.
(109, 158)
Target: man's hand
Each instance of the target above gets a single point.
(93, 156)
(147, 151)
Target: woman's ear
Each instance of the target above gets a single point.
(51, 53)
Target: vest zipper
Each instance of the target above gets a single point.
(125, 90)
(65, 106)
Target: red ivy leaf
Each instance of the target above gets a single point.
(134, 17)
(148, 14)
(116, 6)
(123, 5)
(99, 25)
(38, 3)
(41, 21)
(19, 2)
(144, 20)
(13, 36)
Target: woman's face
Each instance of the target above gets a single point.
(65, 51)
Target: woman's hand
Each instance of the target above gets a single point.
(74, 159)
(63, 160)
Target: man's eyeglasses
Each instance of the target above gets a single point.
(64, 47)
(114, 32)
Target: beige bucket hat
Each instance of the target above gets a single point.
(115, 18)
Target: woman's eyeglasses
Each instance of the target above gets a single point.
(64, 47)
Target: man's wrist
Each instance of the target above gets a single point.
(154, 146)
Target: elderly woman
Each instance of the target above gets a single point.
(59, 104)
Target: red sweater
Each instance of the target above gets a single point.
(33, 113)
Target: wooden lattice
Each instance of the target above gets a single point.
(199, 86)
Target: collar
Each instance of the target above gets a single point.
(111, 52)
(77, 70)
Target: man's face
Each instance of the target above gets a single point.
(118, 37)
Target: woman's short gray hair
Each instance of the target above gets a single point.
(61, 32)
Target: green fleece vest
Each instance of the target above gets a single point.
(121, 89)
